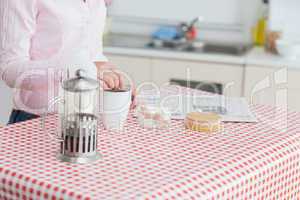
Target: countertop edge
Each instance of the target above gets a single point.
(215, 58)
(255, 57)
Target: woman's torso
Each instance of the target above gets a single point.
(67, 33)
(67, 27)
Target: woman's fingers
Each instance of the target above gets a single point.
(104, 85)
(111, 79)
(120, 79)
(116, 80)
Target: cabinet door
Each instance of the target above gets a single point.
(230, 76)
(138, 68)
(294, 89)
(275, 87)
(259, 87)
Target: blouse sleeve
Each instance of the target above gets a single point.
(17, 26)
(97, 38)
(98, 55)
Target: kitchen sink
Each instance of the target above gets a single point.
(145, 42)
(230, 49)
(200, 47)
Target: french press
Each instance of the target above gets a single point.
(78, 119)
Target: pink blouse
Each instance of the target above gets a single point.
(40, 38)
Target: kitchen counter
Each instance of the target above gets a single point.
(244, 161)
(255, 56)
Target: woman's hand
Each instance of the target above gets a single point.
(111, 78)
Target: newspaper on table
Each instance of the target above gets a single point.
(232, 109)
(179, 104)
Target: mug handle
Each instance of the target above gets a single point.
(52, 135)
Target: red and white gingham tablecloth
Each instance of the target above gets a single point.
(245, 161)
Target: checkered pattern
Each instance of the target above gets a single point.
(244, 161)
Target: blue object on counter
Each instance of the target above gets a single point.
(166, 33)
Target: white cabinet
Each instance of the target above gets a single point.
(230, 76)
(137, 68)
(273, 86)
(259, 84)
(160, 71)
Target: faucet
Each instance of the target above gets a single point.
(188, 30)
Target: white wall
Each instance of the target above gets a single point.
(5, 103)
(223, 20)
(213, 11)
(251, 12)
(284, 16)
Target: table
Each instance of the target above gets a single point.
(245, 161)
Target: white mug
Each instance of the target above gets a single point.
(114, 108)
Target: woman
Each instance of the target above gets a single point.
(41, 38)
